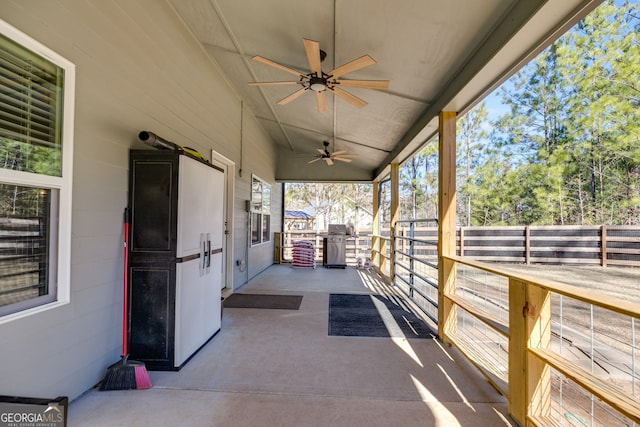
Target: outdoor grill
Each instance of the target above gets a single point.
(335, 246)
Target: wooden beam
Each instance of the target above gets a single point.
(527, 245)
(446, 222)
(517, 352)
(537, 313)
(529, 327)
(603, 245)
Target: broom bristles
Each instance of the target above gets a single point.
(142, 378)
(126, 375)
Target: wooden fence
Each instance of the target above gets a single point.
(356, 247)
(577, 245)
(23, 266)
(586, 245)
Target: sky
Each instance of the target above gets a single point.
(496, 108)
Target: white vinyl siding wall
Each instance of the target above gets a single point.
(137, 68)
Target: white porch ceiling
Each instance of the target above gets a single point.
(438, 55)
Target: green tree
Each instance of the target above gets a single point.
(603, 60)
(419, 184)
(569, 144)
(470, 134)
(330, 203)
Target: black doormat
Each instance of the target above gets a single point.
(373, 316)
(280, 302)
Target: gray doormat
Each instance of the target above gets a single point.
(280, 302)
(362, 316)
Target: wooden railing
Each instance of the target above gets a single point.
(527, 379)
(356, 247)
(381, 253)
(513, 336)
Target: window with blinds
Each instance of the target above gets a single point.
(260, 211)
(35, 184)
(30, 111)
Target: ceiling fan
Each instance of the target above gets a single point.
(329, 157)
(320, 82)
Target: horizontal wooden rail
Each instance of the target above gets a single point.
(536, 318)
(608, 392)
(492, 321)
(617, 305)
(478, 358)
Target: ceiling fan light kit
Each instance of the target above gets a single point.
(329, 157)
(320, 82)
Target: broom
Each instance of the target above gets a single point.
(126, 374)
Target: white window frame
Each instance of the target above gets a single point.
(60, 241)
(260, 210)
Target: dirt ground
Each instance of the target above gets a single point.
(619, 282)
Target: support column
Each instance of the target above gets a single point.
(395, 216)
(529, 326)
(375, 230)
(446, 222)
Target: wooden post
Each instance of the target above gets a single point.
(527, 245)
(461, 241)
(517, 352)
(375, 227)
(538, 324)
(446, 221)
(529, 326)
(277, 247)
(603, 245)
(395, 217)
(383, 257)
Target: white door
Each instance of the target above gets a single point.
(215, 208)
(227, 255)
(190, 332)
(200, 232)
(192, 205)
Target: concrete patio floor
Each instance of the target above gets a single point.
(281, 368)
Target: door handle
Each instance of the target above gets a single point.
(203, 263)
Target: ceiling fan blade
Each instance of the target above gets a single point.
(281, 67)
(315, 160)
(339, 152)
(342, 159)
(291, 97)
(349, 67)
(365, 84)
(321, 151)
(313, 56)
(352, 99)
(328, 160)
(272, 83)
(321, 99)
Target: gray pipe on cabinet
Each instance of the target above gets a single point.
(154, 140)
